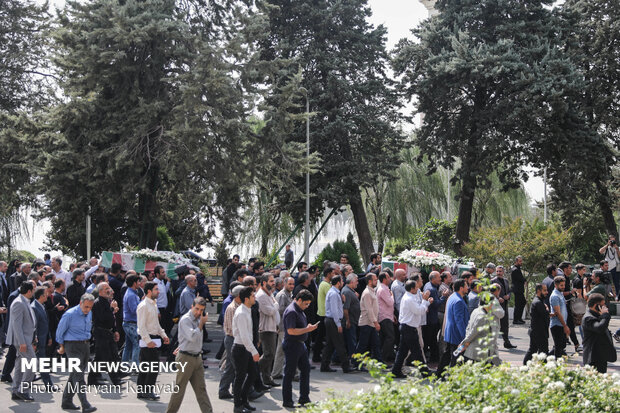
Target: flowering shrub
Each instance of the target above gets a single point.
(474, 387)
(421, 258)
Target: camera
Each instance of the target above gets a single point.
(613, 242)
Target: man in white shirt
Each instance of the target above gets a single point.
(244, 352)
(410, 318)
(60, 273)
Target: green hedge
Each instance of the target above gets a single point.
(474, 387)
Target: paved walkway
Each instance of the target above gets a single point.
(321, 385)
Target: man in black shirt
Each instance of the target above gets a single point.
(105, 334)
(296, 331)
(503, 299)
(539, 329)
(75, 291)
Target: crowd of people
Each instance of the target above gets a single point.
(276, 321)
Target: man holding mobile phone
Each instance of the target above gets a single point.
(598, 348)
(296, 329)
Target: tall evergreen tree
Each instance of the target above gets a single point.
(591, 38)
(154, 129)
(343, 61)
(494, 90)
(24, 90)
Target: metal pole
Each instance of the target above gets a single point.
(307, 230)
(88, 234)
(316, 236)
(545, 197)
(449, 196)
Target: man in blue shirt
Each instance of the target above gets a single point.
(457, 317)
(73, 335)
(130, 319)
(559, 316)
(333, 328)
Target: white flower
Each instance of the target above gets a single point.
(413, 391)
(515, 392)
(556, 385)
(359, 406)
(551, 358)
(325, 411)
(360, 392)
(551, 365)
(488, 409)
(524, 368)
(377, 388)
(587, 403)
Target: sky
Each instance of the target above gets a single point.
(398, 16)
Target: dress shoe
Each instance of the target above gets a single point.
(304, 402)
(208, 340)
(153, 396)
(509, 345)
(69, 406)
(327, 370)
(225, 396)
(241, 409)
(97, 382)
(271, 383)
(118, 382)
(22, 397)
(88, 409)
(399, 376)
(263, 388)
(288, 405)
(277, 377)
(148, 396)
(255, 395)
(6, 379)
(349, 370)
(312, 367)
(516, 322)
(249, 407)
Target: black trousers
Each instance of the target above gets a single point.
(105, 350)
(600, 365)
(538, 344)
(335, 341)
(295, 357)
(409, 342)
(429, 334)
(9, 362)
(571, 324)
(447, 358)
(387, 337)
(559, 340)
(146, 381)
(503, 323)
(519, 306)
(245, 373)
(317, 349)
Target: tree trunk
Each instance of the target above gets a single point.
(466, 206)
(147, 207)
(361, 226)
(608, 215)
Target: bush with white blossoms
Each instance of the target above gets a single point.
(474, 387)
(421, 258)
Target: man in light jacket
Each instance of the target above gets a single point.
(267, 326)
(480, 340)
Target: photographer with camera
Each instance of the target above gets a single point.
(611, 252)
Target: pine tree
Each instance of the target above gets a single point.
(495, 92)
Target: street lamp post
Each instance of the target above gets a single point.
(307, 231)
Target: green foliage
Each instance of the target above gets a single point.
(537, 243)
(22, 255)
(222, 253)
(436, 235)
(332, 252)
(476, 387)
(165, 241)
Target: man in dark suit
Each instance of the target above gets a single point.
(539, 329)
(43, 334)
(518, 288)
(504, 298)
(598, 348)
(20, 276)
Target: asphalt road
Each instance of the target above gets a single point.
(321, 384)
